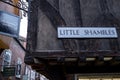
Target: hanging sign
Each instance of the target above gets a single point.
(9, 24)
(8, 71)
(87, 32)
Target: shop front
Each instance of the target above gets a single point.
(96, 76)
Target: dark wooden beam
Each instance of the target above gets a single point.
(63, 53)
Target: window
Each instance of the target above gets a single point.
(6, 61)
(18, 68)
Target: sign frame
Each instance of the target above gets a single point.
(87, 32)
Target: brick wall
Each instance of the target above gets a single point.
(17, 52)
(9, 8)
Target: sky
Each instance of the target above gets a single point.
(23, 27)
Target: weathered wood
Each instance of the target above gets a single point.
(50, 14)
(58, 54)
(43, 44)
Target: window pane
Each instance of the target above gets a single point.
(83, 79)
(116, 78)
(107, 79)
(95, 79)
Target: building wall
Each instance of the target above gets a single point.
(7, 42)
(73, 13)
(9, 8)
(47, 15)
(17, 52)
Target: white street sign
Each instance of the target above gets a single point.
(87, 32)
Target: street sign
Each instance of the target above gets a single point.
(87, 32)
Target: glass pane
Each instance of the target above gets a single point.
(83, 79)
(95, 79)
(116, 78)
(107, 79)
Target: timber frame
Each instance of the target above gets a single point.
(71, 58)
